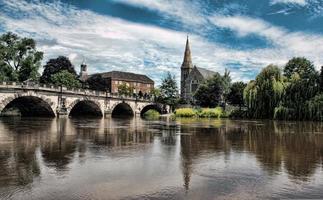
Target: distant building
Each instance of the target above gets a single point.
(109, 81)
(191, 76)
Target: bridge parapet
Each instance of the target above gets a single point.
(68, 91)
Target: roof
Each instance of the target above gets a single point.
(205, 72)
(126, 76)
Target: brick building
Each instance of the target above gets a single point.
(110, 81)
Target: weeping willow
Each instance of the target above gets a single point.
(264, 94)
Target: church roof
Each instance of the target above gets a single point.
(126, 76)
(187, 62)
(205, 72)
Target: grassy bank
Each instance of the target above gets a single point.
(200, 113)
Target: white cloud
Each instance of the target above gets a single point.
(287, 43)
(298, 2)
(108, 43)
(187, 12)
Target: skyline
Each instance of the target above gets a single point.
(148, 37)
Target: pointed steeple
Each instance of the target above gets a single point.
(187, 62)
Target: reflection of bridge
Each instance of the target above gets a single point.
(53, 101)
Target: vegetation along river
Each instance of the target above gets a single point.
(161, 159)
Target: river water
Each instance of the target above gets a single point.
(164, 159)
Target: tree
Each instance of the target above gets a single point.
(210, 93)
(56, 65)
(65, 78)
(235, 97)
(19, 58)
(97, 82)
(321, 80)
(169, 90)
(124, 89)
(264, 94)
(300, 65)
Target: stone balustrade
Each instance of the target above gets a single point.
(65, 90)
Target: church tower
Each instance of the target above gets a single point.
(186, 68)
(83, 72)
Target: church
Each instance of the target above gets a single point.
(191, 76)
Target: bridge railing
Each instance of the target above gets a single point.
(65, 90)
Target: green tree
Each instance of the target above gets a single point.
(264, 94)
(169, 91)
(65, 78)
(54, 66)
(210, 93)
(300, 65)
(303, 84)
(235, 97)
(321, 79)
(19, 58)
(124, 89)
(97, 82)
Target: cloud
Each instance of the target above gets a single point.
(298, 2)
(109, 43)
(187, 12)
(287, 43)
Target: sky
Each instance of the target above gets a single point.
(148, 36)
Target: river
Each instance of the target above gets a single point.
(159, 159)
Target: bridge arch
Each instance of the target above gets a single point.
(27, 106)
(122, 109)
(148, 107)
(79, 108)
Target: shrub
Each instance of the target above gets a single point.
(185, 112)
(201, 112)
(210, 113)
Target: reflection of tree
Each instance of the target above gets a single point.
(59, 152)
(18, 163)
(276, 145)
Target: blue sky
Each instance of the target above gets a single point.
(148, 36)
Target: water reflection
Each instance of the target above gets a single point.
(159, 159)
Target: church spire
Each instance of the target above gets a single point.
(187, 62)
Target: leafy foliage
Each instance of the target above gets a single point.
(202, 113)
(211, 92)
(235, 97)
(169, 91)
(19, 59)
(54, 72)
(97, 82)
(265, 93)
(65, 78)
(124, 89)
(301, 66)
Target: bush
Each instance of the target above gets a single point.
(185, 112)
(210, 113)
(151, 114)
(203, 113)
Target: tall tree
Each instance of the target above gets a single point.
(19, 58)
(264, 94)
(169, 90)
(211, 92)
(301, 66)
(235, 97)
(321, 80)
(56, 65)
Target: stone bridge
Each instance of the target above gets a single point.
(51, 101)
